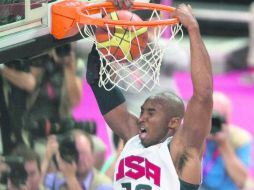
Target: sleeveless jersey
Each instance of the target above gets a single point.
(140, 168)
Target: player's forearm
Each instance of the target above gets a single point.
(111, 102)
(235, 168)
(197, 120)
(22, 80)
(107, 100)
(201, 71)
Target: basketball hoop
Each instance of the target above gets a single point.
(70, 17)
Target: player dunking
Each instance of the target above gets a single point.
(161, 151)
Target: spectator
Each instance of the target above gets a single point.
(13, 174)
(57, 90)
(80, 172)
(16, 83)
(228, 150)
(32, 165)
(23, 170)
(51, 87)
(58, 85)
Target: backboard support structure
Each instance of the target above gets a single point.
(25, 29)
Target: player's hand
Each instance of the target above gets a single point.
(122, 4)
(185, 15)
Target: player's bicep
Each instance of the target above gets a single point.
(123, 123)
(197, 123)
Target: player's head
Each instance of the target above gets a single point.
(160, 117)
(222, 104)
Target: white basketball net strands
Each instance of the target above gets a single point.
(141, 73)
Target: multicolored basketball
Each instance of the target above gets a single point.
(123, 43)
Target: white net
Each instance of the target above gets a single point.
(126, 60)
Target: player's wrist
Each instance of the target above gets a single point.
(193, 27)
(107, 100)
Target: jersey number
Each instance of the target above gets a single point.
(127, 186)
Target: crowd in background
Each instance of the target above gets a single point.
(43, 142)
(44, 147)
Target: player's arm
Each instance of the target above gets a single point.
(188, 143)
(111, 103)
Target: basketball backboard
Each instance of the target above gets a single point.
(25, 28)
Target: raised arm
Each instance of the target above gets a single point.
(111, 103)
(188, 142)
(197, 119)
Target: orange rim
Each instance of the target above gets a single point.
(66, 14)
(86, 10)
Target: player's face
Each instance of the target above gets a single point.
(153, 122)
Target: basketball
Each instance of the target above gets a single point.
(123, 43)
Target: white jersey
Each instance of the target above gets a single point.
(140, 168)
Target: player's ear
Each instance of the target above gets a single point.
(174, 122)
